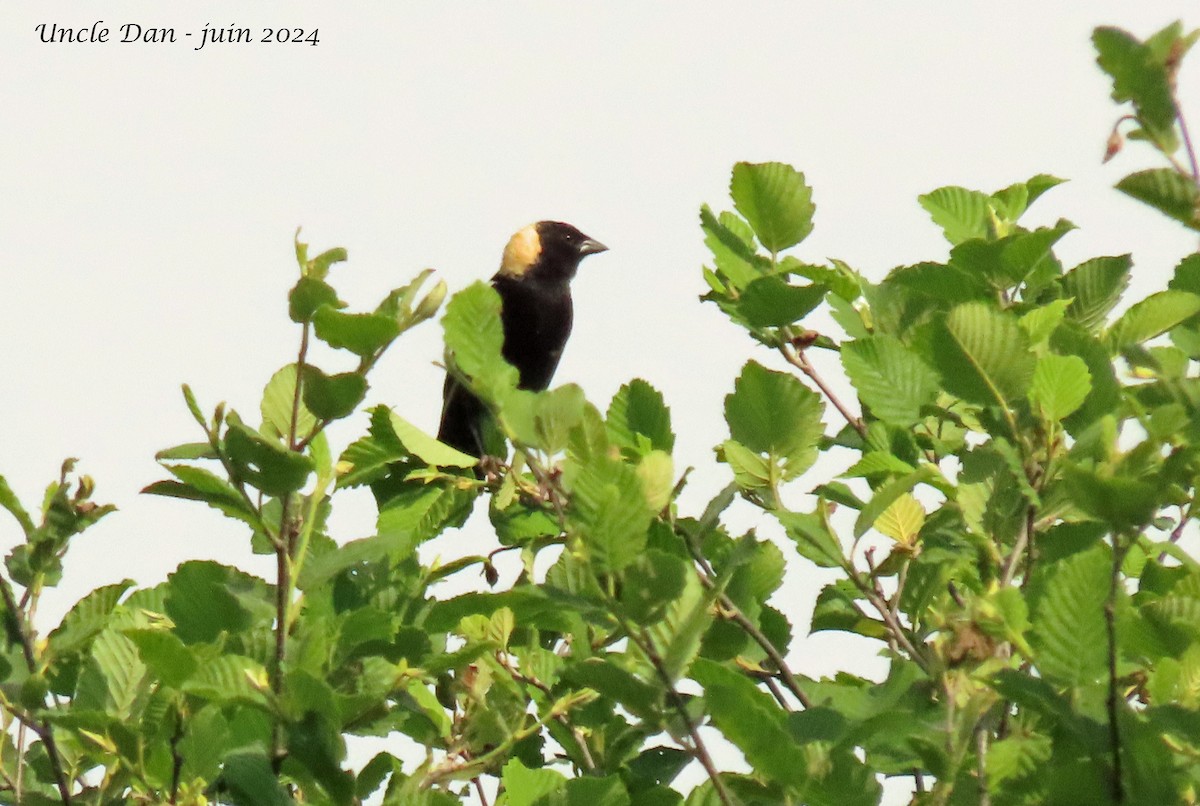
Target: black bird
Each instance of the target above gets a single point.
(534, 284)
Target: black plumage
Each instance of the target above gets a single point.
(534, 284)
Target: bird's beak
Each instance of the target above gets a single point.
(591, 247)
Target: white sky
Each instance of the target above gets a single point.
(149, 194)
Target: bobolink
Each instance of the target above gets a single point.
(534, 284)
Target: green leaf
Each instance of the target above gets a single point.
(1152, 316)
(983, 354)
(265, 464)
(251, 781)
(609, 510)
(205, 599)
(753, 721)
(890, 379)
(886, 495)
(1060, 385)
(186, 451)
(198, 484)
(316, 743)
(814, 538)
(363, 334)
(902, 520)
(1040, 323)
(543, 420)
(1122, 501)
(165, 655)
(1096, 287)
(607, 677)
(8, 500)
(1068, 632)
(422, 445)
(678, 635)
(112, 676)
(773, 302)
(1140, 76)
(524, 786)
(86, 619)
(638, 420)
(475, 338)
(309, 294)
(1168, 192)
(319, 266)
(774, 413)
(651, 583)
(1012, 259)
(332, 397)
(229, 678)
(277, 401)
(774, 198)
(961, 213)
(731, 242)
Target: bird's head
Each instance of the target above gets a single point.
(547, 250)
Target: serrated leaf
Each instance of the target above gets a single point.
(983, 354)
(543, 420)
(772, 302)
(252, 781)
(1096, 287)
(426, 448)
(1140, 76)
(307, 295)
(609, 509)
(198, 484)
(654, 581)
(890, 379)
(1040, 323)
(1152, 316)
(813, 538)
(186, 451)
(878, 463)
(9, 500)
(774, 413)
(888, 493)
(638, 419)
(332, 397)
(902, 520)
(475, 338)
(1068, 618)
(265, 464)
(363, 334)
(961, 213)
(753, 721)
(277, 402)
(1122, 501)
(165, 655)
(1012, 259)
(86, 619)
(112, 677)
(1060, 385)
(732, 249)
(774, 198)
(1167, 191)
(523, 786)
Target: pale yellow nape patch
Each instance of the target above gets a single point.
(522, 251)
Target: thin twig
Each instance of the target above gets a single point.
(799, 360)
(749, 627)
(699, 750)
(479, 790)
(588, 762)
